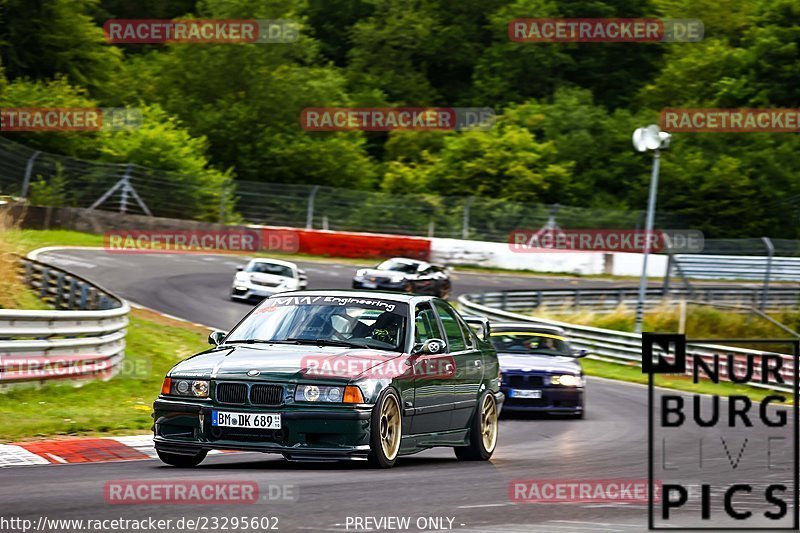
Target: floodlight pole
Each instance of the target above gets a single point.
(651, 213)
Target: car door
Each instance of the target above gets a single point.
(433, 387)
(468, 364)
(425, 282)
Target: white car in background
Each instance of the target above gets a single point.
(261, 278)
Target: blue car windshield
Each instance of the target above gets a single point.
(538, 343)
(326, 320)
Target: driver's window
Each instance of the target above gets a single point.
(425, 327)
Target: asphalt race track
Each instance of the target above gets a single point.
(609, 444)
(195, 287)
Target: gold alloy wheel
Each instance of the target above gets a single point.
(489, 423)
(390, 427)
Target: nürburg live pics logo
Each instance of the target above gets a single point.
(727, 456)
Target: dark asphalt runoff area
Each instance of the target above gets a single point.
(431, 489)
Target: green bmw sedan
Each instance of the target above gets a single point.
(335, 375)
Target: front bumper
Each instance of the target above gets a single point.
(307, 432)
(248, 291)
(567, 400)
(381, 285)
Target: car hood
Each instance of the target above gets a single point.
(540, 363)
(386, 274)
(267, 278)
(285, 363)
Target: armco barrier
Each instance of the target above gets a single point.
(83, 338)
(626, 348)
(608, 299)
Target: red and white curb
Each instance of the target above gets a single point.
(71, 451)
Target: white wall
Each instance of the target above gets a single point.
(500, 255)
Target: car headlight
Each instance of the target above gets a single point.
(566, 380)
(195, 388)
(242, 277)
(321, 394)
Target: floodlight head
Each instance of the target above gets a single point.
(652, 140)
(665, 138)
(638, 140)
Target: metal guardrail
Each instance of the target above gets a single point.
(83, 338)
(626, 348)
(743, 267)
(606, 300)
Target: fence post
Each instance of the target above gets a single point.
(26, 182)
(431, 227)
(768, 273)
(310, 211)
(465, 220)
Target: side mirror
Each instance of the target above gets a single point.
(431, 347)
(479, 324)
(216, 337)
(580, 353)
(240, 268)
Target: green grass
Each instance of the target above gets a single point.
(121, 405)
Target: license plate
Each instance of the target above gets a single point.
(517, 393)
(370, 285)
(246, 420)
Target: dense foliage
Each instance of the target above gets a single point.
(566, 111)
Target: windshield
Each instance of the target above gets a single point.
(275, 269)
(399, 266)
(538, 343)
(326, 320)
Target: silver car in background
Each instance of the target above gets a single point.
(261, 278)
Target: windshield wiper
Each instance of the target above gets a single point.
(330, 342)
(259, 341)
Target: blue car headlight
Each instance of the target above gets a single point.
(566, 380)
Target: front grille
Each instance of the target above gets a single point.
(231, 393)
(266, 394)
(526, 382)
(266, 283)
(531, 402)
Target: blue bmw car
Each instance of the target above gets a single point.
(540, 370)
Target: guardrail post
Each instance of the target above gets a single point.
(768, 273)
(59, 289)
(45, 282)
(84, 296)
(539, 299)
(503, 300)
(577, 300)
(71, 297)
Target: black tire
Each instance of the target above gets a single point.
(477, 450)
(180, 460)
(377, 457)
